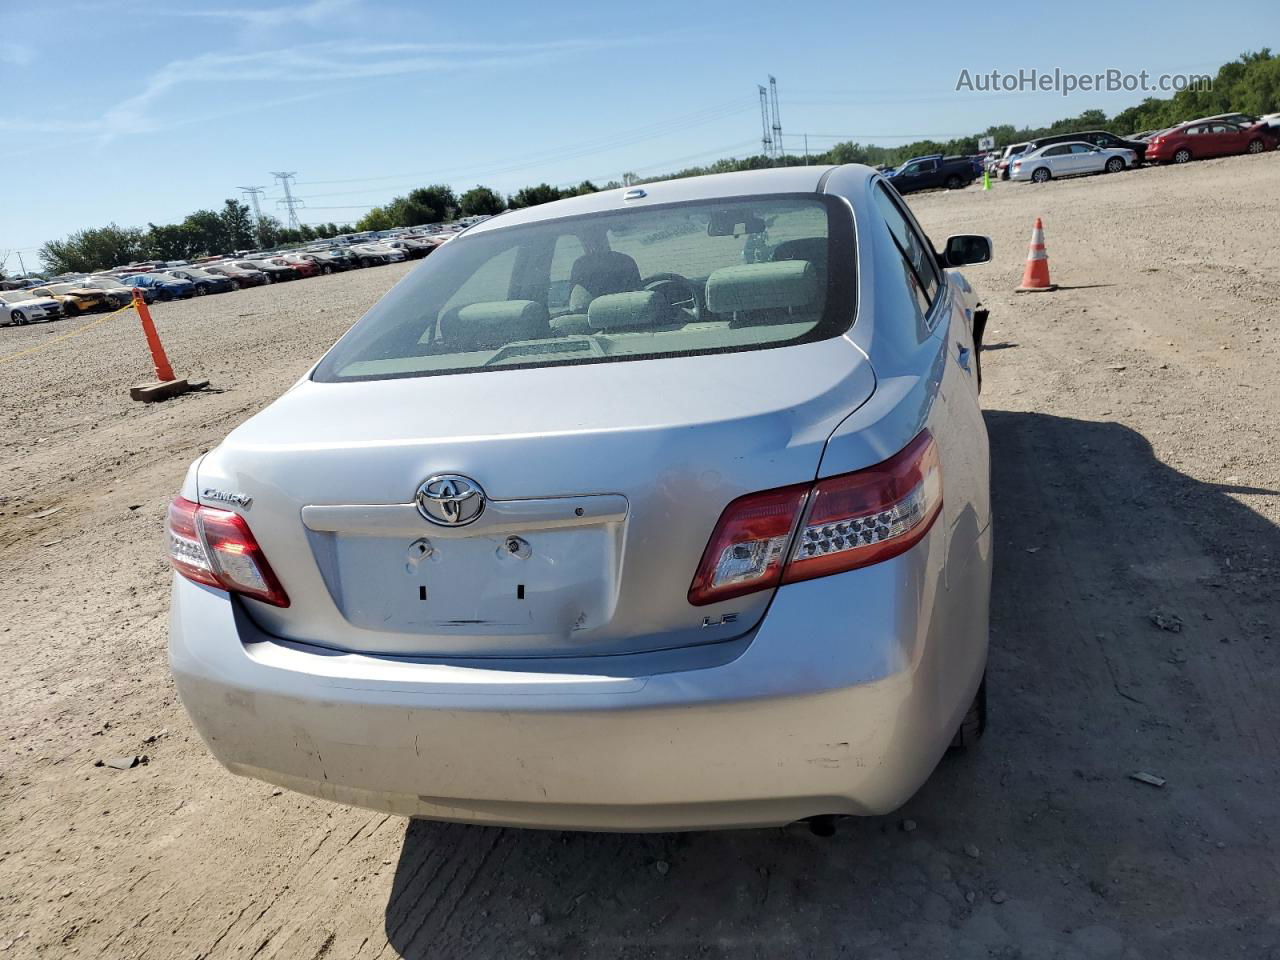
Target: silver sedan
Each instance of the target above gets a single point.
(1070, 160)
(658, 508)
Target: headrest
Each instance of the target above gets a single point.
(484, 326)
(617, 311)
(762, 286)
(607, 272)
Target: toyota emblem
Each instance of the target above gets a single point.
(450, 500)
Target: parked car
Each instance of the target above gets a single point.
(205, 281)
(1096, 138)
(931, 172)
(371, 254)
(164, 286)
(244, 276)
(305, 266)
(1070, 160)
(412, 247)
(1239, 119)
(1200, 140)
(608, 587)
(120, 293)
(276, 272)
(1011, 151)
(331, 261)
(76, 298)
(21, 307)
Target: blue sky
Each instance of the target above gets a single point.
(127, 111)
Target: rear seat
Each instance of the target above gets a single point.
(753, 293)
(492, 324)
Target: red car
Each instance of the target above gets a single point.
(1201, 139)
(301, 265)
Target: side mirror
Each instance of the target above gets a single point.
(966, 248)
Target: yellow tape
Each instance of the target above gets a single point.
(67, 336)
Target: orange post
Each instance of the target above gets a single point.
(164, 372)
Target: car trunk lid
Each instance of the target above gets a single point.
(602, 484)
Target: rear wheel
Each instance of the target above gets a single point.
(974, 723)
(1256, 146)
(19, 318)
(953, 182)
(1041, 175)
(1115, 165)
(1182, 156)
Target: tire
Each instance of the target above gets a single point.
(1041, 175)
(266, 279)
(1256, 146)
(366, 262)
(164, 295)
(19, 318)
(1115, 165)
(1182, 156)
(326, 269)
(201, 290)
(235, 284)
(953, 182)
(974, 724)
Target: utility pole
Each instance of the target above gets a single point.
(289, 202)
(777, 118)
(766, 141)
(20, 263)
(806, 149)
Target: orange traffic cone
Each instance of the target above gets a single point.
(1035, 279)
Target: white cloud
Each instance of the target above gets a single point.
(315, 13)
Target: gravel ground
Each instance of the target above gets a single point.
(1132, 418)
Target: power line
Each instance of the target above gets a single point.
(636, 135)
(290, 202)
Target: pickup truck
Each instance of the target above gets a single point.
(924, 173)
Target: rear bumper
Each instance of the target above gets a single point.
(842, 701)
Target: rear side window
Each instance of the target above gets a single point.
(921, 271)
(743, 273)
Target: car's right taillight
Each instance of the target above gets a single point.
(814, 530)
(857, 519)
(215, 547)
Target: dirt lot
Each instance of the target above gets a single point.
(1133, 424)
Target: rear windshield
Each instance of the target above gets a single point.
(678, 279)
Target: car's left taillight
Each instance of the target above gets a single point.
(837, 524)
(215, 547)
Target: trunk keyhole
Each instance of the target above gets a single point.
(520, 591)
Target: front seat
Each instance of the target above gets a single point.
(595, 275)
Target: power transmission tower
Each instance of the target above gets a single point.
(253, 193)
(777, 117)
(766, 141)
(290, 202)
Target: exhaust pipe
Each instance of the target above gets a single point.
(823, 825)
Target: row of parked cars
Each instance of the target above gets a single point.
(1099, 151)
(36, 300)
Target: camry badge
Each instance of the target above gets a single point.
(222, 496)
(450, 500)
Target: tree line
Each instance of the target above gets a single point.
(1249, 84)
(200, 234)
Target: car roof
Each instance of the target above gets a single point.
(711, 187)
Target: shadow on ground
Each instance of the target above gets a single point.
(1038, 844)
